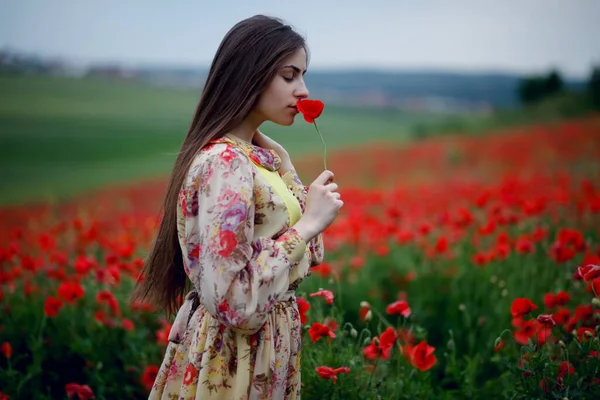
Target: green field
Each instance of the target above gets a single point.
(60, 136)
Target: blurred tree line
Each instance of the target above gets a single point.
(533, 89)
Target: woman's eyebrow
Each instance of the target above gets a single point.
(292, 66)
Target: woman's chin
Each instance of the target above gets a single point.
(284, 121)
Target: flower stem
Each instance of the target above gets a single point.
(324, 146)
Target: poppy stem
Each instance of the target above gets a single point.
(324, 146)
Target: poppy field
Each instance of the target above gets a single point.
(459, 267)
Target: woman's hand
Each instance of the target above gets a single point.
(262, 140)
(322, 206)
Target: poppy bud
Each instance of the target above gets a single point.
(596, 302)
(497, 341)
(353, 333)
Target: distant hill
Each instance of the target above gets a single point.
(414, 90)
(403, 89)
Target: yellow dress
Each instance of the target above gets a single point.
(238, 334)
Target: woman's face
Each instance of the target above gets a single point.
(278, 102)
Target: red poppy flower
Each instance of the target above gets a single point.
(387, 338)
(585, 333)
(330, 373)
(565, 368)
(372, 351)
(127, 324)
(326, 294)
(562, 315)
(52, 306)
(310, 109)
(106, 297)
(6, 349)
(524, 245)
(317, 331)
(70, 291)
(303, 307)
(589, 272)
(384, 348)
(149, 376)
(399, 308)
(83, 392)
(521, 307)
(526, 331)
(422, 357)
(546, 319)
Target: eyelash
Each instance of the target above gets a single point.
(288, 79)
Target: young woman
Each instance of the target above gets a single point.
(241, 226)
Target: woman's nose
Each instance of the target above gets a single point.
(302, 91)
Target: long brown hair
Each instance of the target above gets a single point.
(245, 63)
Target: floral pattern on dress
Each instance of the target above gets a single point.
(238, 333)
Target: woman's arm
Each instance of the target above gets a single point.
(239, 279)
(300, 191)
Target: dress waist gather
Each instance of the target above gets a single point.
(192, 303)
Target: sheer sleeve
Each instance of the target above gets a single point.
(300, 191)
(239, 278)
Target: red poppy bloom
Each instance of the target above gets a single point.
(565, 368)
(303, 307)
(52, 306)
(521, 307)
(83, 392)
(330, 373)
(106, 297)
(149, 376)
(70, 291)
(524, 245)
(399, 308)
(388, 338)
(310, 109)
(589, 272)
(585, 333)
(6, 349)
(384, 348)
(127, 324)
(546, 319)
(317, 331)
(422, 356)
(526, 331)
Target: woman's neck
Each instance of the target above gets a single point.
(246, 129)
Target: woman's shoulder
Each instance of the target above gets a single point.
(220, 154)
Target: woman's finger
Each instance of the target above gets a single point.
(332, 187)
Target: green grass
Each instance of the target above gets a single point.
(60, 136)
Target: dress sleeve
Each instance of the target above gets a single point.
(239, 279)
(300, 191)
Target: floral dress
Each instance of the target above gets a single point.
(238, 333)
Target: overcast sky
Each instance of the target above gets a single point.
(469, 35)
